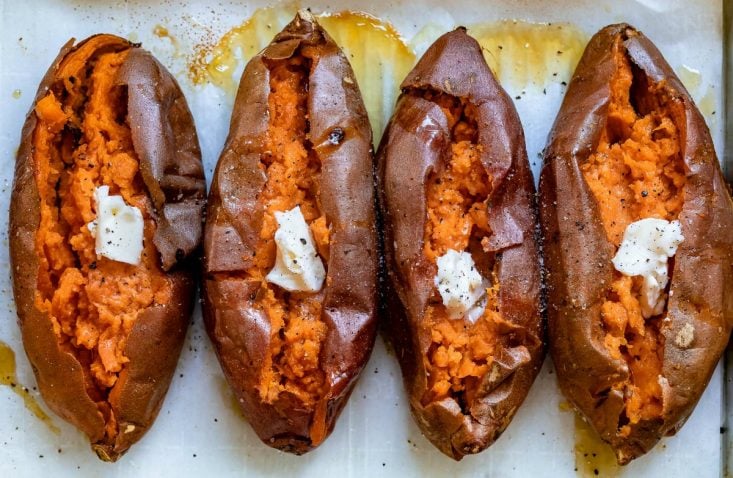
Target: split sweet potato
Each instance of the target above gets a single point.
(104, 336)
(453, 175)
(629, 144)
(299, 136)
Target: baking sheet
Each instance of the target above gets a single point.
(728, 93)
(199, 431)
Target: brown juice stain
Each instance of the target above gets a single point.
(8, 378)
(162, 32)
(520, 53)
(523, 54)
(593, 457)
(378, 55)
(221, 63)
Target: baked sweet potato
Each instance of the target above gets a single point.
(629, 144)
(299, 137)
(453, 175)
(104, 336)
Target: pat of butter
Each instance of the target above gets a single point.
(298, 266)
(644, 250)
(118, 228)
(460, 285)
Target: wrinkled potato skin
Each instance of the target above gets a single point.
(236, 323)
(578, 255)
(164, 138)
(417, 139)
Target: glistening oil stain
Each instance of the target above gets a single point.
(8, 378)
(526, 54)
(593, 457)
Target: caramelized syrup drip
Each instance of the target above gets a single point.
(9, 379)
(378, 55)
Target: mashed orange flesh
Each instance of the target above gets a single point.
(293, 171)
(460, 353)
(635, 173)
(82, 141)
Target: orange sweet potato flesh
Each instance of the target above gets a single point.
(629, 144)
(92, 301)
(292, 170)
(460, 353)
(636, 172)
(453, 174)
(89, 323)
(299, 136)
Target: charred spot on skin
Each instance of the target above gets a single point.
(336, 136)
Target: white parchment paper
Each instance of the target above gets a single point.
(199, 432)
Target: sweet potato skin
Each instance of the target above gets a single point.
(236, 324)
(165, 141)
(578, 255)
(417, 139)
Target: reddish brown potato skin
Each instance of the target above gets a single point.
(578, 255)
(238, 327)
(416, 140)
(164, 138)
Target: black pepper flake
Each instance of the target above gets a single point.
(93, 265)
(302, 241)
(644, 194)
